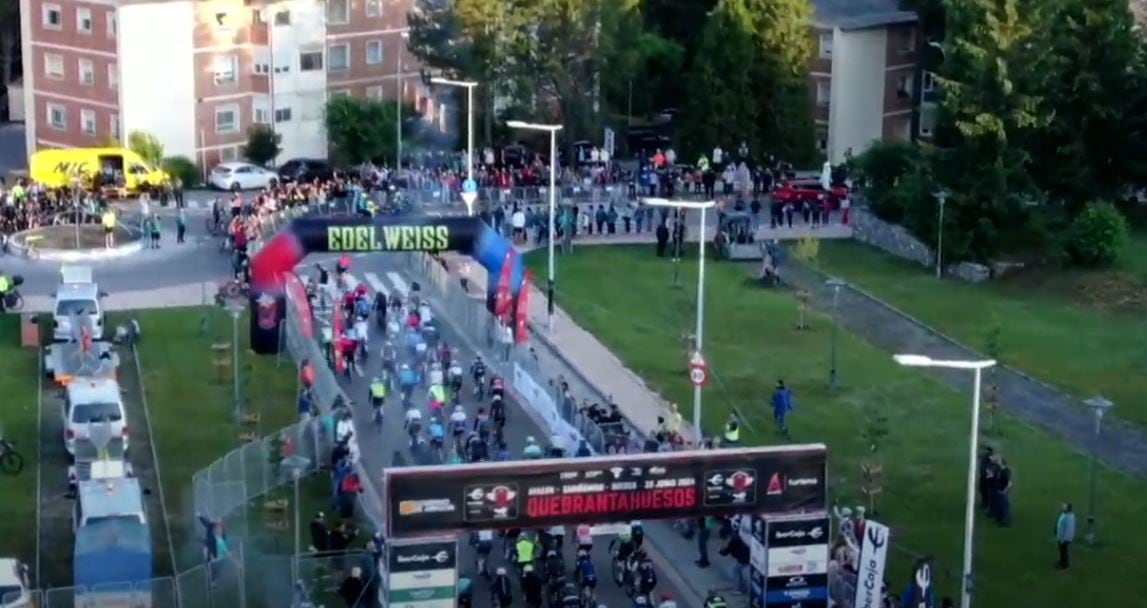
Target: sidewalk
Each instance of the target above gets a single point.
(175, 296)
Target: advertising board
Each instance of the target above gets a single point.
(797, 562)
(542, 493)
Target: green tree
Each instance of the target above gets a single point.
(147, 146)
(360, 130)
(263, 144)
(1087, 151)
(9, 40)
(1097, 236)
(990, 100)
(183, 168)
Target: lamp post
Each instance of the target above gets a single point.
(835, 284)
(236, 309)
(942, 196)
(398, 81)
(553, 131)
(970, 507)
(698, 334)
(469, 86)
(296, 465)
(1098, 406)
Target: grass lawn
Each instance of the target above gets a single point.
(1084, 332)
(191, 406)
(19, 383)
(623, 295)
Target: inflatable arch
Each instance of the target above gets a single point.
(467, 235)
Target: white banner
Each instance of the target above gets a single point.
(541, 401)
(873, 557)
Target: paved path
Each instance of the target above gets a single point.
(1121, 445)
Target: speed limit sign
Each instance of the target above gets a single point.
(698, 370)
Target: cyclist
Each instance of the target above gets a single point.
(389, 357)
(714, 600)
(437, 433)
(524, 552)
(380, 310)
(531, 451)
(454, 379)
(361, 302)
(435, 376)
(413, 424)
(476, 448)
(436, 399)
(497, 387)
(584, 535)
(584, 571)
(625, 548)
(465, 592)
(557, 535)
(646, 578)
(531, 587)
(478, 373)
(555, 449)
(568, 598)
(458, 422)
(637, 533)
(482, 424)
(378, 392)
(498, 412)
(484, 544)
(555, 565)
(501, 590)
(445, 354)
(667, 601)
(407, 380)
(362, 337)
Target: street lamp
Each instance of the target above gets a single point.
(398, 81)
(553, 131)
(296, 465)
(236, 309)
(835, 284)
(942, 196)
(1098, 406)
(469, 86)
(698, 336)
(970, 507)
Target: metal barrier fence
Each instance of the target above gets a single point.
(437, 193)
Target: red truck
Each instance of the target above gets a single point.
(800, 190)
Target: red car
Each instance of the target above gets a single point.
(801, 190)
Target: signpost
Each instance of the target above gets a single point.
(419, 574)
(469, 194)
(698, 370)
(543, 493)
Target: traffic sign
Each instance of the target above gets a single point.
(698, 370)
(469, 186)
(469, 198)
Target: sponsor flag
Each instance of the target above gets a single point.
(521, 331)
(502, 299)
(873, 556)
(920, 588)
(336, 339)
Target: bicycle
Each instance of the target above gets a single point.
(11, 462)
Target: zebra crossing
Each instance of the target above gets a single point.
(203, 207)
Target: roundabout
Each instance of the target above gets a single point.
(73, 243)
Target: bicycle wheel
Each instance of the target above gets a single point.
(11, 463)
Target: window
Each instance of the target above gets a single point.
(340, 93)
(87, 72)
(57, 116)
(261, 110)
(822, 140)
(338, 57)
(310, 61)
(260, 68)
(88, 121)
(373, 52)
(374, 93)
(929, 82)
(84, 20)
(53, 17)
(226, 67)
(283, 18)
(908, 42)
(904, 86)
(54, 66)
(229, 154)
(825, 46)
(113, 76)
(113, 126)
(112, 25)
(282, 115)
(373, 8)
(338, 12)
(227, 119)
(823, 92)
(927, 121)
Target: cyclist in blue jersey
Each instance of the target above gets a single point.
(437, 434)
(584, 572)
(407, 381)
(532, 451)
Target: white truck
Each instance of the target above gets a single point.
(77, 299)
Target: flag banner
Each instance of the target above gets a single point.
(873, 556)
(521, 331)
(502, 301)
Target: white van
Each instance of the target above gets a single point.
(89, 402)
(78, 296)
(108, 499)
(15, 592)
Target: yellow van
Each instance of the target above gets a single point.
(115, 169)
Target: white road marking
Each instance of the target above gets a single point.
(399, 283)
(376, 283)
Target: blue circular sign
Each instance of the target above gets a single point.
(469, 186)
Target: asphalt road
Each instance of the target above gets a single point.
(380, 273)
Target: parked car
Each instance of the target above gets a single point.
(305, 170)
(91, 402)
(798, 191)
(242, 176)
(77, 297)
(15, 591)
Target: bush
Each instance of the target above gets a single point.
(263, 145)
(147, 146)
(183, 168)
(1097, 236)
(880, 167)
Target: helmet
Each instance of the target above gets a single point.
(360, 289)
(375, 380)
(528, 568)
(344, 262)
(500, 571)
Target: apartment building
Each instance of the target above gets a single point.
(863, 77)
(199, 73)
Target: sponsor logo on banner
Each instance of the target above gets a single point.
(921, 588)
(873, 557)
(797, 561)
(776, 487)
(598, 490)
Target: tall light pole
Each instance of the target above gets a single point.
(469, 86)
(835, 284)
(553, 131)
(970, 508)
(942, 196)
(398, 82)
(1098, 406)
(698, 333)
